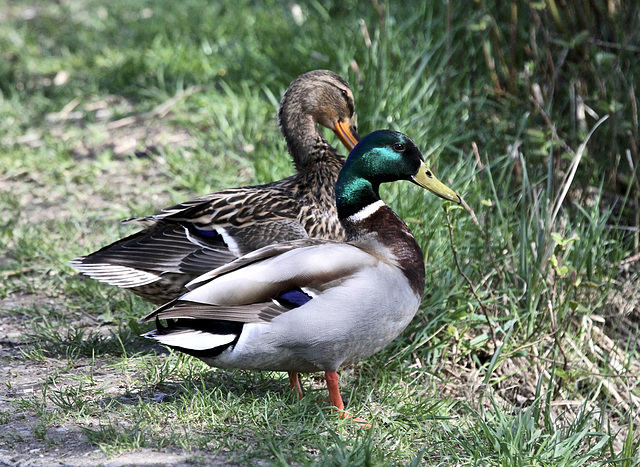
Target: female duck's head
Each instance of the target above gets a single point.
(317, 97)
(380, 157)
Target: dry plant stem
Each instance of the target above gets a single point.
(487, 240)
(476, 154)
(573, 167)
(575, 162)
(586, 371)
(555, 332)
(471, 287)
(630, 259)
(615, 45)
(627, 402)
(158, 112)
(547, 120)
(632, 166)
(474, 218)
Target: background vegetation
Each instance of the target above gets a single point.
(525, 349)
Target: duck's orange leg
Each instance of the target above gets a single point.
(331, 377)
(294, 383)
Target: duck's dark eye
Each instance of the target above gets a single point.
(398, 147)
(348, 100)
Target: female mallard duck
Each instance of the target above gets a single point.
(184, 241)
(314, 305)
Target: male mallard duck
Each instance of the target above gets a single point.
(314, 305)
(184, 241)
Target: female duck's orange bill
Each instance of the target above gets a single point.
(347, 134)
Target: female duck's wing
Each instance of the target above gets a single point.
(192, 238)
(142, 258)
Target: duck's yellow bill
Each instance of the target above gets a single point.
(347, 134)
(426, 179)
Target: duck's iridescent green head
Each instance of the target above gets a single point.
(383, 156)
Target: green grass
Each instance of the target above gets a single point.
(537, 365)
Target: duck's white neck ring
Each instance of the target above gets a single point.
(365, 212)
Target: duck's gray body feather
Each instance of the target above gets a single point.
(319, 335)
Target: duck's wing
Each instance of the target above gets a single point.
(236, 206)
(192, 238)
(261, 254)
(267, 283)
(142, 258)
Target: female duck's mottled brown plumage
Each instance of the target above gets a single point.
(192, 238)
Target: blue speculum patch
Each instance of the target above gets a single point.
(292, 298)
(208, 233)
